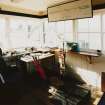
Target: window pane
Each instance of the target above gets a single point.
(95, 24)
(35, 35)
(51, 39)
(18, 34)
(25, 33)
(83, 25)
(103, 21)
(68, 37)
(83, 40)
(17, 42)
(46, 26)
(68, 26)
(50, 27)
(95, 41)
(3, 41)
(60, 27)
(104, 41)
(2, 24)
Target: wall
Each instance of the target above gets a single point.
(91, 73)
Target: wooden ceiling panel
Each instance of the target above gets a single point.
(35, 7)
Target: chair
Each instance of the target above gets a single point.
(10, 83)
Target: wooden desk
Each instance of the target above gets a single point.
(89, 55)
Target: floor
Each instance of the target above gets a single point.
(33, 94)
(38, 94)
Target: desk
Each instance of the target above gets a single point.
(24, 61)
(10, 58)
(47, 59)
(40, 57)
(9, 54)
(89, 55)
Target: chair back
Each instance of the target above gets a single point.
(3, 65)
(3, 70)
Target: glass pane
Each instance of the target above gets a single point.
(68, 26)
(51, 39)
(95, 41)
(2, 24)
(18, 25)
(83, 40)
(95, 24)
(103, 21)
(68, 37)
(60, 27)
(82, 25)
(50, 27)
(25, 33)
(104, 41)
(3, 41)
(46, 27)
(17, 42)
(35, 36)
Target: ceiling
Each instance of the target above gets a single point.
(34, 7)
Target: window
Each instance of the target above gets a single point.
(3, 41)
(17, 32)
(104, 42)
(95, 24)
(57, 32)
(103, 31)
(28, 33)
(68, 33)
(82, 25)
(50, 34)
(95, 41)
(103, 23)
(89, 32)
(83, 40)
